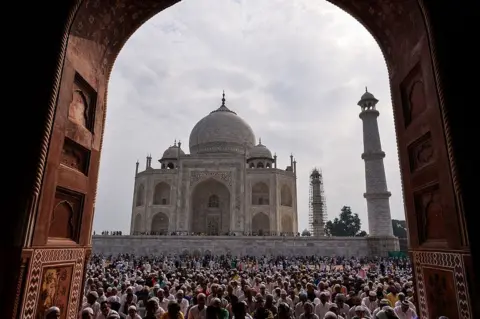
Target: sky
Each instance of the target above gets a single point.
(294, 70)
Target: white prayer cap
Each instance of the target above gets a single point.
(372, 294)
(359, 308)
(51, 310)
(132, 308)
(157, 286)
(113, 315)
(87, 310)
(330, 315)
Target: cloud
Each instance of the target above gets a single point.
(294, 70)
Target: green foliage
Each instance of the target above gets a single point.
(306, 233)
(347, 224)
(399, 228)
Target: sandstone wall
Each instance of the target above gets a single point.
(235, 245)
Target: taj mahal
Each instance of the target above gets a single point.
(228, 184)
(229, 196)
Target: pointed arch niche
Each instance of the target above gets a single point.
(160, 223)
(161, 194)
(140, 196)
(260, 223)
(210, 209)
(260, 194)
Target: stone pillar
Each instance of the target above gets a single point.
(377, 195)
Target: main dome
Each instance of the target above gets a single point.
(221, 131)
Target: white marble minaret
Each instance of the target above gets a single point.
(377, 194)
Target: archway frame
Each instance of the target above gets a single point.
(457, 248)
(193, 192)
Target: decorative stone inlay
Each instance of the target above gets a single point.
(197, 176)
(451, 261)
(52, 257)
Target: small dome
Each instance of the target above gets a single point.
(259, 151)
(173, 152)
(221, 131)
(367, 98)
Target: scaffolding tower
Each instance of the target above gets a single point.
(317, 205)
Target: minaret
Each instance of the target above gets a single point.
(317, 209)
(149, 161)
(377, 194)
(136, 168)
(275, 160)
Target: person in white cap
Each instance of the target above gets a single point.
(404, 311)
(402, 298)
(52, 313)
(132, 313)
(323, 306)
(370, 302)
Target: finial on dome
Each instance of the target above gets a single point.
(179, 143)
(175, 142)
(259, 141)
(223, 98)
(366, 90)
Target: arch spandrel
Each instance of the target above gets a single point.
(96, 38)
(197, 177)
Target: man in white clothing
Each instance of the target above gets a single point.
(405, 312)
(401, 298)
(199, 311)
(370, 302)
(324, 306)
(182, 302)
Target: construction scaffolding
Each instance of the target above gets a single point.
(317, 215)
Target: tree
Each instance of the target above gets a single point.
(347, 224)
(306, 233)
(399, 228)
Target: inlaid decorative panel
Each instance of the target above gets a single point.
(54, 278)
(75, 156)
(441, 281)
(421, 153)
(413, 95)
(66, 216)
(82, 108)
(429, 212)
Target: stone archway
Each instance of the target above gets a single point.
(161, 194)
(417, 44)
(260, 194)
(160, 222)
(210, 208)
(260, 224)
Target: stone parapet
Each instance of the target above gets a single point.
(235, 245)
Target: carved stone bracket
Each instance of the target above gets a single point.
(199, 176)
(54, 259)
(432, 269)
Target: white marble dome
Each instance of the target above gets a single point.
(222, 131)
(173, 152)
(260, 151)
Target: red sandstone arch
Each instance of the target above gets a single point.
(98, 29)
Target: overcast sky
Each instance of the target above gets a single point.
(294, 70)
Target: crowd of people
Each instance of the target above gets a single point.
(227, 287)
